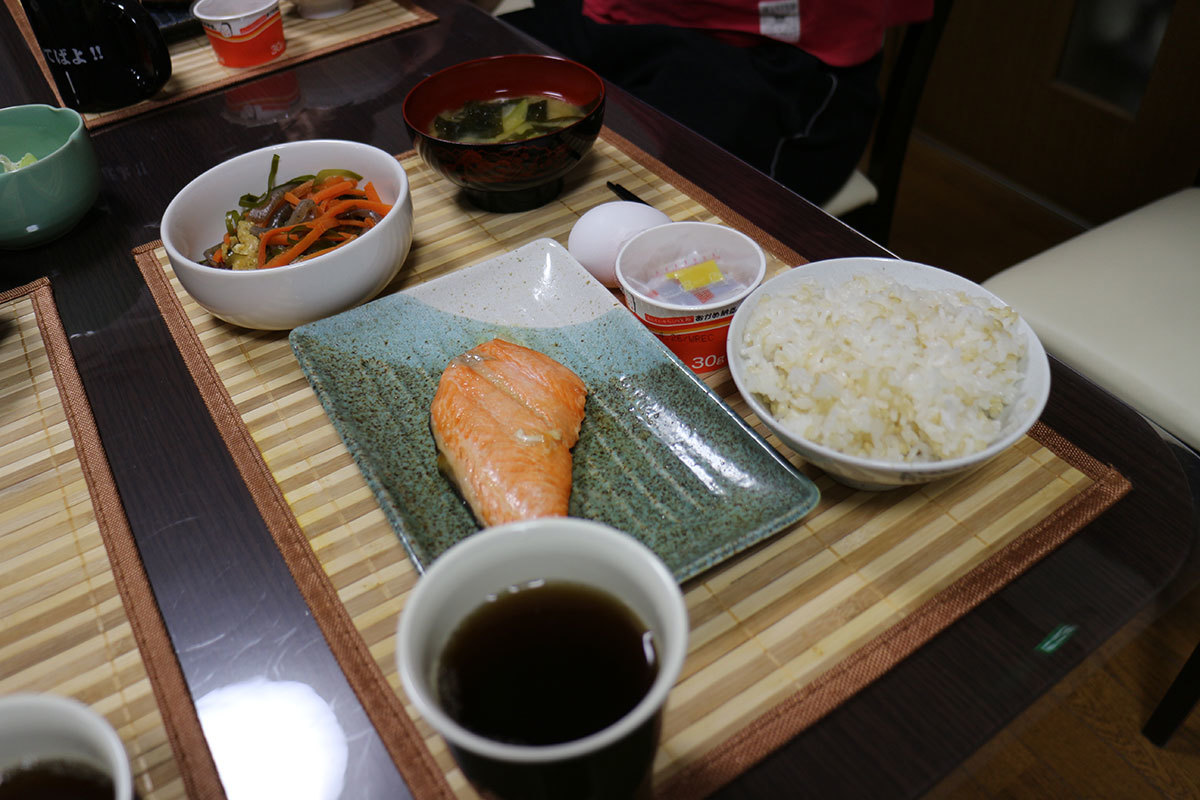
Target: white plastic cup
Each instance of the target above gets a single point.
(557, 548)
(243, 33)
(44, 727)
(692, 322)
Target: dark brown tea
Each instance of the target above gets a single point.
(551, 662)
(55, 779)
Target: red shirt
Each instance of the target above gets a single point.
(839, 32)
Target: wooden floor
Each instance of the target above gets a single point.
(1083, 739)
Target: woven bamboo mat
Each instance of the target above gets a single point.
(79, 618)
(780, 635)
(195, 70)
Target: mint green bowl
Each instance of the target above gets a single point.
(47, 198)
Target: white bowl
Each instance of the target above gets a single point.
(281, 298)
(876, 474)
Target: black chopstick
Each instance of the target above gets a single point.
(623, 193)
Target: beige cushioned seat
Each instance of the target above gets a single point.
(1121, 304)
(856, 192)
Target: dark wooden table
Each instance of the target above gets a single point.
(230, 605)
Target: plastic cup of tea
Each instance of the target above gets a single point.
(684, 280)
(484, 569)
(243, 33)
(43, 736)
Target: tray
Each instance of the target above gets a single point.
(660, 455)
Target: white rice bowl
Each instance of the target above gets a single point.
(885, 372)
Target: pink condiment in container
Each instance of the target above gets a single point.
(243, 33)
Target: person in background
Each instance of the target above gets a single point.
(789, 86)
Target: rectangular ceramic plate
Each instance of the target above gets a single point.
(660, 455)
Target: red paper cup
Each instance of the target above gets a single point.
(243, 33)
(684, 280)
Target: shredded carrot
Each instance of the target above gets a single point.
(326, 250)
(353, 223)
(333, 189)
(355, 203)
(289, 234)
(219, 254)
(262, 246)
(335, 197)
(319, 226)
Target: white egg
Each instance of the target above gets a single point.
(599, 234)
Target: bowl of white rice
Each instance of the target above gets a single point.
(883, 372)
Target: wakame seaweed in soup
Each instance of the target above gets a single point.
(506, 119)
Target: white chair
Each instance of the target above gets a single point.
(505, 6)
(856, 192)
(1119, 304)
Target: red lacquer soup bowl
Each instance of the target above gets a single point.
(510, 175)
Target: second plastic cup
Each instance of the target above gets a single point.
(243, 33)
(684, 280)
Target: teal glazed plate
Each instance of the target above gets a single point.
(660, 455)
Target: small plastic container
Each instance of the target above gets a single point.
(243, 33)
(684, 280)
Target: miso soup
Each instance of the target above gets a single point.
(505, 119)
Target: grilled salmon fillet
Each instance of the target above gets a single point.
(505, 419)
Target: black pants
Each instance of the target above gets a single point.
(785, 112)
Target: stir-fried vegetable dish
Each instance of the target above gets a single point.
(296, 220)
(508, 119)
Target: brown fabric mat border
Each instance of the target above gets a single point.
(382, 705)
(198, 771)
(92, 121)
(773, 729)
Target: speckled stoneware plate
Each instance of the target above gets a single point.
(660, 455)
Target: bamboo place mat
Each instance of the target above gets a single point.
(780, 635)
(195, 70)
(79, 617)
